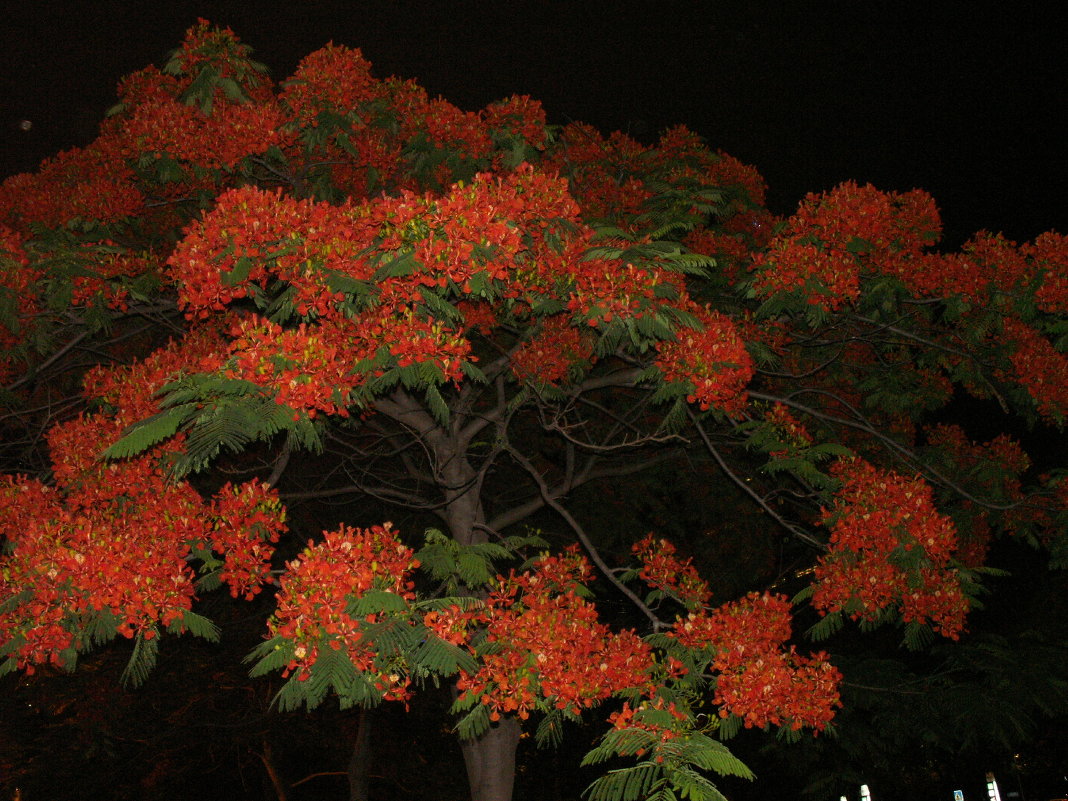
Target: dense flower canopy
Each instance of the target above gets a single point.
(509, 310)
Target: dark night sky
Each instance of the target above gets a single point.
(957, 100)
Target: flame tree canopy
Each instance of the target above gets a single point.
(475, 314)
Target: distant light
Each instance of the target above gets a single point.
(992, 788)
(865, 793)
(25, 125)
(958, 795)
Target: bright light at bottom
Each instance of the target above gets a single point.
(992, 788)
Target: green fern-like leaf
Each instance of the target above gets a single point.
(474, 724)
(273, 654)
(692, 785)
(550, 731)
(332, 671)
(626, 784)
(141, 436)
(9, 605)
(375, 602)
(473, 567)
(728, 727)
(441, 658)
(209, 581)
(142, 659)
(619, 742)
(99, 627)
(918, 636)
(826, 627)
(437, 405)
(197, 625)
(439, 307)
(391, 637)
(708, 754)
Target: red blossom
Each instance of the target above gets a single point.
(1049, 259)
(664, 571)
(759, 680)
(1040, 368)
(881, 523)
(555, 352)
(551, 649)
(319, 586)
(713, 361)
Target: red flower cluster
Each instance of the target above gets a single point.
(988, 469)
(213, 109)
(334, 79)
(247, 519)
(158, 123)
(456, 131)
(1002, 451)
(602, 291)
(639, 717)
(550, 647)
(323, 581)
(791, 430)
(413, 340)
(599, 171)
(825, 277)
(1049, 259)
(889, 545)
(131, 389)
(453, 623)
(309, 368)
(17, 280)
(107, 265)
(664, 571)
(681, 146)
(835, 236)
(92, 183)
(518, 117)
(555, 353)
(108, 548)
(478, 316)
(713, 361)
(1040, 368)
(233, 247)
(759, 680)
(731, 251)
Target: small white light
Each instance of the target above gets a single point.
(992, 788)
(865, 793)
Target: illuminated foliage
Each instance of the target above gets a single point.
(477, 314)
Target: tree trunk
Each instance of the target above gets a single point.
(490, 761)
(360, 762)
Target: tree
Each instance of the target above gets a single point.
(473, 316)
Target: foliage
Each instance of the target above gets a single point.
(476, 315)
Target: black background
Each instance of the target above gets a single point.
(961, 101)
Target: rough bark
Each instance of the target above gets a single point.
(490, 761)
(360, 762)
